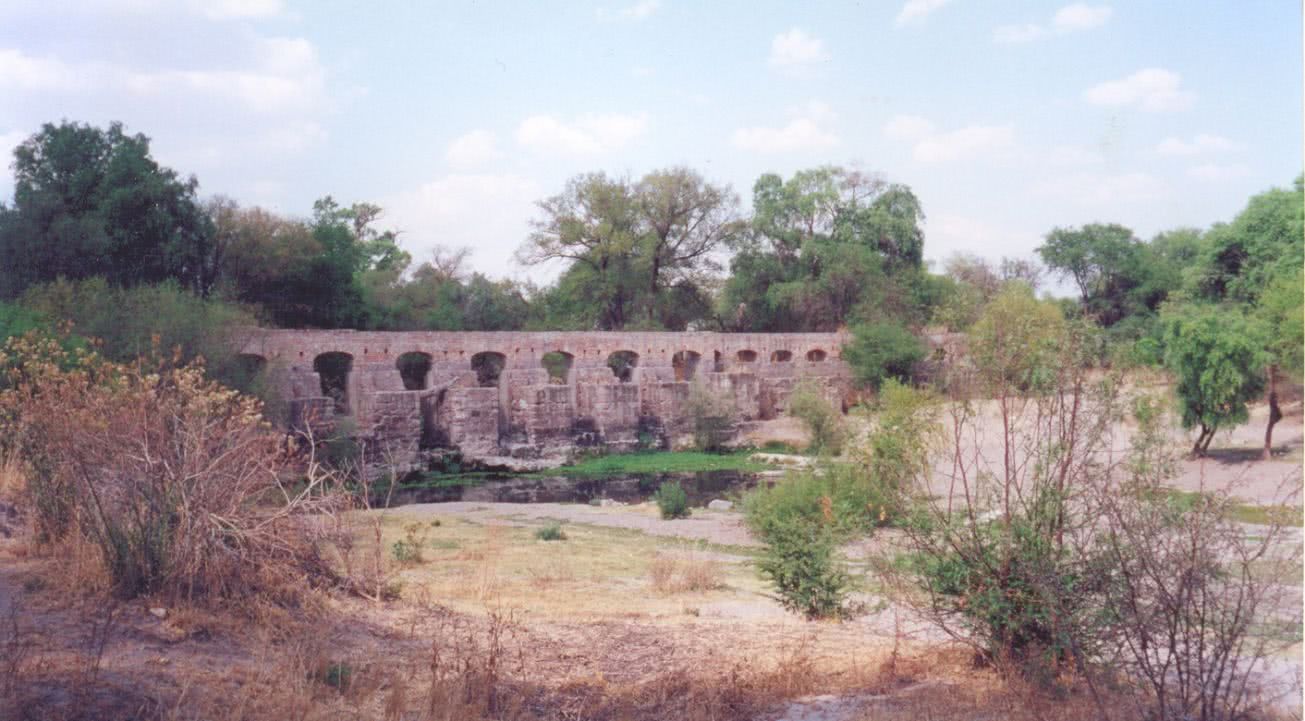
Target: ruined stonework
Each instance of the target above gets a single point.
(530, 395)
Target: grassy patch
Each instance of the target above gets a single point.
(1251, 513)
(664, 462)
(604, 573)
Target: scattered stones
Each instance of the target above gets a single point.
(720, 504)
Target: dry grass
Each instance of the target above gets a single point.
(589, 577)
(688, 574)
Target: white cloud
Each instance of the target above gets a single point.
(1152, 89)
(1080, 16)
(235, 9)
(915, 10)
(452, 211)
(642, 9)
(284, 75)
(932, 146)
(584, 135)
(1096, 189)
(799, 134)
(967, 142)
(805, 131)
(474, 148)
(908, 127)
(1010, 34)
(797, 48)
(1198, 145)
(1074, 155)
(949, 233)
(1069, 19)
(25, 72)
(1215, 172)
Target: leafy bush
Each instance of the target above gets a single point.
(822, 419)
(712, 415)
(802, 520)
(147, 321)
(672, 501)
(551, 532)
(408, 549)
(883, 350)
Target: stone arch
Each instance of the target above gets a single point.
(558, 364)
(746, 356)
(685, 364)
(333, 368)
(623, 364)
(816, 355)
(248, 372)
(781, 356)
(414, 368)
(489, 368)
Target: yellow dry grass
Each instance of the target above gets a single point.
(596, 573)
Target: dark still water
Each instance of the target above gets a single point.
(701, 488)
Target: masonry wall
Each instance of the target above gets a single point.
(525, 412)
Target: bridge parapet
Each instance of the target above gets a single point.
(491, 394)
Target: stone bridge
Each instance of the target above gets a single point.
(531, 394)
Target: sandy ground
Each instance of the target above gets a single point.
(582, 610)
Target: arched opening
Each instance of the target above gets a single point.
(781, 356)
(247, 372)
(333, 370)
(815, 356)
(558, 365)
(623, 363)
(685, 364)
(432, 411)
(414, 368)
(746, 356)
(488, 366)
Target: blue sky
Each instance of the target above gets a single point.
(1006, 118)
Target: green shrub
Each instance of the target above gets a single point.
(337, 675)
(1009, 611)
(883, 350)
(408, 549)
(801, 561)
(672, 501)
(551, 532)
(712, 416)
(801, 521)
(822, 419)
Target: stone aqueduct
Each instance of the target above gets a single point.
(531, 394)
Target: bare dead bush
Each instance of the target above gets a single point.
(1063, 560)
(1194, 603)
(176, 480)
(669, 574)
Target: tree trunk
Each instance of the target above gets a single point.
(1202, 441)
(1275, 413)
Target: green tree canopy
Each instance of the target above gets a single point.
(1217, 356)
(826, 246)
(94, 202)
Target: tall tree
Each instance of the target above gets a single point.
(1216, 355)
(1106, 264)
(93, 202)
(825, 245)
(683, 221)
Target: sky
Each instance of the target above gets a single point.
(1006, 118)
